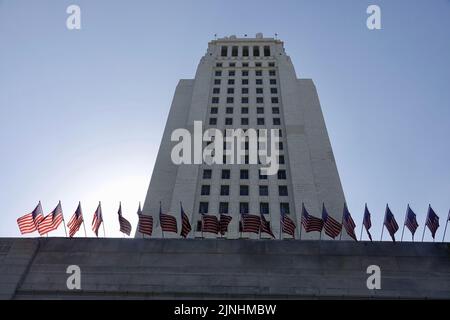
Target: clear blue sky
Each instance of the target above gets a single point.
(82, 112)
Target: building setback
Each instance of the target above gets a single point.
(248, 83)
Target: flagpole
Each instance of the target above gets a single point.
(84, 227)
(301, 224)
(64, 221)
(404, 222)
(446, 223)
(103, 221)
(362, 224)
(160, 209)
(342, 221)
(270, 222)
(384, 220)
(425, 224)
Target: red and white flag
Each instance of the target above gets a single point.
(98, 219)
(75, 221)
(145, 224)
(52, 221)
(30, 222)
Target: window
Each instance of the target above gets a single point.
(244, 90)
(259, 100)
(232, 64)
(219, 65)
(234, 51)
(276, 121)
(280, 146)
(274, 99)
(244, 100)
(281, 174)
(218, 73)
(258, 73)
(231, 73)
(262, 176)
(212, 121)
(284, 207)
(244, 81)
(225, 190)
(263, 191)
(228, 121)
(214, 110)
(223, 207)
(244, 121)
(275, 110)
(199, 225)
(217, 81)
(259, 81)
(273, 81)
(245, 64)
(244, 174)
(243, 190)
(225, 174)
(244, 110)
(258, 64)
(216, 90)
(245, 73)
(281, 160)
(207, 173)
(259, 90)
(259, 110)
(215, 100)
(246, 159)
(264, 208)
(224, 51)
(260, 121)
(256, 51)
(272, 73)
(273, 90)
(230, 90)
(229, 110)
(266, 51)
(243, 207)
(231, 81)
(205, 190)
(282, 191)
(271, 64)
(245, 51)
(203, 207)
(230, 99)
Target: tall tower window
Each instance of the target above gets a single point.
(234, 51)
(245, 51)
(256, 51)
(224, 51)
(266, 51)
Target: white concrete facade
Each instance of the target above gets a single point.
(272, 88)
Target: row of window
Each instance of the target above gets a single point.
(244, 73)
(244, 121)
(243, 190)
(245, 90)
(226, 174)
(245, 81)
(244, 64)
(226, 51)
(216, 100)
(244, 110)
(243, 207)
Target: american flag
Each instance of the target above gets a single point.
(287, 225)
(125, 225)
(250, 223)
(367, 222)
(224, 222)
(145, 224)
(309, 222)
(75, 221)
(185, 224)
(168, 222)
(349, 224)
(411, 221)
(210, 224)
(331, 226)
(51, 221)
(432, 221)
(30, 222)
(390, 223)
(98, 219)
(265, 226)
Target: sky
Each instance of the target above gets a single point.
(82, 112)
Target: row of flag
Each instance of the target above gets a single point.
(36, 221)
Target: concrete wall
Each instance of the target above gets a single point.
(155, 268)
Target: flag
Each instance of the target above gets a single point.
(51, 221)
(210, 224)
(390, 223)
(145, 224)
(331, 226)
(168, 222)
(125, 226)
(287, 225)
(250, 223)
(75, 221)
(349, 224)
(185, 224)
(224, 222)
(30, 222)
(367, 222)
(97, 220)
(309, 222)
(411, 221)
(265, 226)
(432, 221)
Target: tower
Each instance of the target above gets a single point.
(248, 83)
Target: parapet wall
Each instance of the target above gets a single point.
(158, 268)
